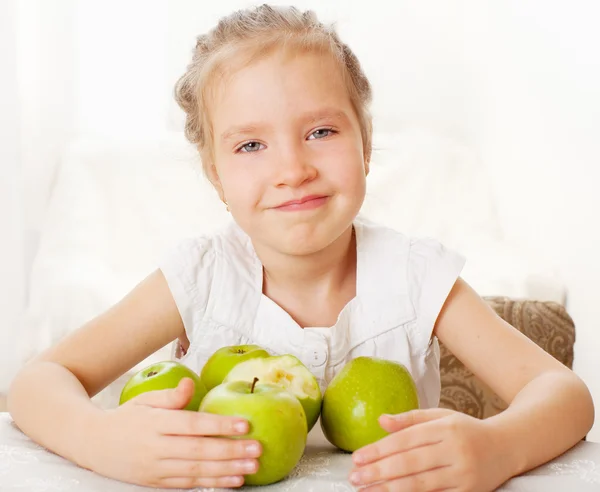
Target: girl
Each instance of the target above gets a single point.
(277, 106)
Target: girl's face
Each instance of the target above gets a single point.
(288, 153)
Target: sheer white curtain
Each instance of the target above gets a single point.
(37, 98)
(69, 69)
(12, 263)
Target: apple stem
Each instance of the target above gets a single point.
(253, 384)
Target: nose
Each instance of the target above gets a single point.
(295, 167)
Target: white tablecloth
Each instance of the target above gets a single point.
(27, 467)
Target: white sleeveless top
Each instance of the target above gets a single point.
(401, 286)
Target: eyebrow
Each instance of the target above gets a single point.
(310, 118)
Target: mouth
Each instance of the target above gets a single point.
(305, 203)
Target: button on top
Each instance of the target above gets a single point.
(316, 351)
(318, 358)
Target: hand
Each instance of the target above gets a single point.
(430, 450)
(150, 441)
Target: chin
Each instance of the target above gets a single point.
(294, 246)
(306, 241)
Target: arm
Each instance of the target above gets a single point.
(541, 392)
(550, 409)
(49, 398)
(147, 441)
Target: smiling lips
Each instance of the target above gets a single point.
(305, 203)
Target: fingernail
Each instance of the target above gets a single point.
(358, 459)
(253, 449)
(240, 427)
(355, 477)
(393, 417)
(233, 481)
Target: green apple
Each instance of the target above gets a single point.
(359, 394)
(163, 375)
(289, 373)
(276, 420)
(223, 360)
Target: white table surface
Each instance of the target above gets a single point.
(27, 467)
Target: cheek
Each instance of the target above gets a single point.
(345, 164)
(241, 188)
(349, 175)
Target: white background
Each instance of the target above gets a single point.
(516, 80)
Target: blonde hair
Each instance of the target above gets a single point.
(258, 32)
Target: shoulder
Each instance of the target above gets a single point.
(432, 271)
(188, 256)
(189, 264)
(419, 253)
(202, 251)
(422, 268)
(373, 238)
(192, 265)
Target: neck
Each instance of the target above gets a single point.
(322, 272)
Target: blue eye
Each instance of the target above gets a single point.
(250, 147)
(322, 133)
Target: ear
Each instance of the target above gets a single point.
(367, 153)
(213, 177)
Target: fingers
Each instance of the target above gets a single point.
(192, 482)
(410, 438)
(398, 465)
(439, 479)
(209, 448)
(175, 399)
(394, 423)
(186, 423)
(207, 469)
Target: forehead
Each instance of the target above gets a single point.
(277, 85)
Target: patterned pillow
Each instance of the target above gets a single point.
(546, 323)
